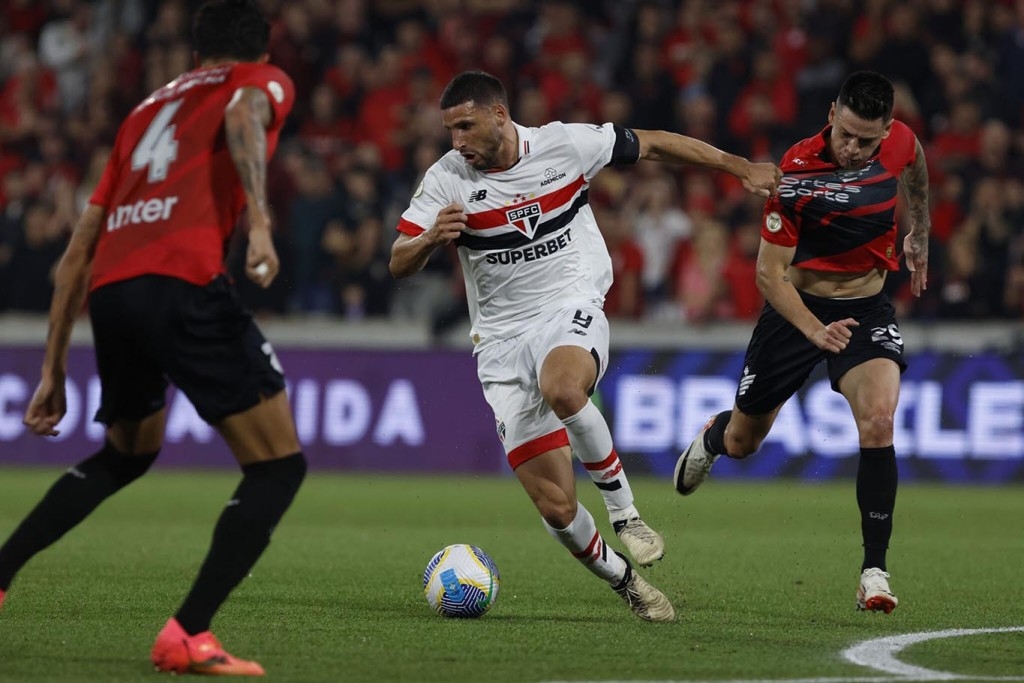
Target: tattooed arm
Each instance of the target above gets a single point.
(71, 284)
(915, 245)
(245, 126)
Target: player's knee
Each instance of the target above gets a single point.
(565, 400)
(289, 470)
(122, 468)
(876, 427)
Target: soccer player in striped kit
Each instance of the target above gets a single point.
(514, 202)
(828, 240)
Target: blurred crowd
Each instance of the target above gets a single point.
(749, 76)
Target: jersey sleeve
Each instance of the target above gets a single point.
(428, 199)
(778, 224)
(275, 83)
(600, 146)
(899, 150)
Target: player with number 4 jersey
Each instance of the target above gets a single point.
(170, 189)
(513, 200)
(149, 252)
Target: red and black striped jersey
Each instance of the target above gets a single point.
(839, 219)
(170, 189)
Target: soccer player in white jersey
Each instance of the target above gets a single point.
(514, 202)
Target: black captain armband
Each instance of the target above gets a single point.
(627, 146)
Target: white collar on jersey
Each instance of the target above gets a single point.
(525, 137)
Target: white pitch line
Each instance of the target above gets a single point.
(861, 679)
(879, 654)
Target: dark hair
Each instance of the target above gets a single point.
(473, 86)
(868, 95)
(232, 29)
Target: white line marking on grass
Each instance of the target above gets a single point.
(880, 654)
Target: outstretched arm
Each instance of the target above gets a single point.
(660, 145)
(71, 284)
(246, 119)
(915, 245)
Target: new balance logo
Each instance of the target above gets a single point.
(477, 195)
(582, 319)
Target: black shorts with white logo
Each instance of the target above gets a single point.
(780, 359)
(152, 329)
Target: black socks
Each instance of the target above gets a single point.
(877, 478)
(70, 500)
(714, 437)
(241, 535)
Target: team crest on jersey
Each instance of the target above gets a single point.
(525, 218)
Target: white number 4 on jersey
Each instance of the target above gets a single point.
(158, 148)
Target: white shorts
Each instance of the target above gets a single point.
(509, 372)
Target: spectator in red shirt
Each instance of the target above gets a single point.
(766, 105)
(740, 273)
(625, 297)
(382, 114)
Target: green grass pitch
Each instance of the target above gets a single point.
(762, 575)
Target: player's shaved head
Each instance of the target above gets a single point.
(478, 87)
(230, 29)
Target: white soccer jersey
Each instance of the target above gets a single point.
(531, 245)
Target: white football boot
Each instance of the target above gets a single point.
(873, 593)
(694, 464)
(644, 543)
(646, 601)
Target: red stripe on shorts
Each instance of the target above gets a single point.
(540, 445)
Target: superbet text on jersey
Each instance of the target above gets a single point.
(531, 245)
(170, 189)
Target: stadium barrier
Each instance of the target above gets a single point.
(961, 415)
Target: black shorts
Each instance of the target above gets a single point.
(780, 359)
(152, 329)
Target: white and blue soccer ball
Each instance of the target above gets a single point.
(461, 581)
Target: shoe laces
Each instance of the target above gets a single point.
(876, 579)
(638, 529)
(633, 597)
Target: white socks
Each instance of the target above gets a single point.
(584, 541)
(591, 441)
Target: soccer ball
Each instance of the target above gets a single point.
(461, 581)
